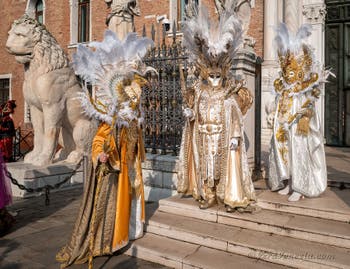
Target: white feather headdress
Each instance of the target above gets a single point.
(293, 49)
(212, 43)
(287, 42)
(106, 65)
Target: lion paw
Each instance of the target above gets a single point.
(29, 157)
(41, 160)
(74, 157)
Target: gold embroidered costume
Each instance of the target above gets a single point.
(213, 160)
(112, 211)
(297, 151)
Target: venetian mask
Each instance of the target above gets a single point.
(292, 71)
(215, 77)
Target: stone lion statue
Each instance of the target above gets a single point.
(50, 89)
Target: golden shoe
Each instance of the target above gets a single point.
(207, 204)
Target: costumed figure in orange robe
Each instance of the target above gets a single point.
(7, 130)
(112, 211)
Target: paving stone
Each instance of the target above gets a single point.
(40, 231)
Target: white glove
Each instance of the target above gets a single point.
(188, 113)
(103, 157)
(286, 127)
(234, 142)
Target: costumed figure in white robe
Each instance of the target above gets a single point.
(112, 211)
(297, 156)
(213, 160)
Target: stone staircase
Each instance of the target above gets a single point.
(311, 233)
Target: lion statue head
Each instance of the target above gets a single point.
(32, 44)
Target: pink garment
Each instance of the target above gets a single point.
(5, 185)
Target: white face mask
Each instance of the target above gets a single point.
(214, 80)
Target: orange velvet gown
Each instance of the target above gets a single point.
(112, 211)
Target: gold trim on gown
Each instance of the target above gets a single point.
(105, 229)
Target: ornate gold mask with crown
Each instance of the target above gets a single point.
(294, 67)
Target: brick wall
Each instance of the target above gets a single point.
(256, 27)
(57, 20)
(99, 12)
(11, 10)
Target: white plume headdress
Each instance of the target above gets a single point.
(291, 46)
(294, 52)
(211, 43)
(106, 65)
(287, 42)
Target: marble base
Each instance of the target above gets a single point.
(34, 177)
(159, 176)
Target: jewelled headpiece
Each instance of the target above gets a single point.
(294, 54)
(111, 66)
(211, 44)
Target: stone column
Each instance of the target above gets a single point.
(292, 14)
(269, 68)
(314, 12)
(270, 22)
(244, 67)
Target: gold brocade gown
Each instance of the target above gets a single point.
(208, 168)
(112, 209)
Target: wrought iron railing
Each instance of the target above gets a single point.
(22, 143)
(162, 99)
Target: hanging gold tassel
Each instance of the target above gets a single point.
(281, 135)
(303, 127)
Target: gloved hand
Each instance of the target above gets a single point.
(234, 143)
(285, 127)
(103, 157)
(188, 113)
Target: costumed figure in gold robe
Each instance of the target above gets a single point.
(297, 153)
(213, 159)
(112, 211)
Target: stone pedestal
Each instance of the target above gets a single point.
(244, 67)
(159, 176)
(34, 177)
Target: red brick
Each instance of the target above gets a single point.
(57, 20)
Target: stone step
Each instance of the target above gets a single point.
(181, 255)
(272, 248)
(326, 206)
(313, 229)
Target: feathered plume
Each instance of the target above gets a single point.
(293, 47)
(286, 41)
(210, 42)
(106, 65)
